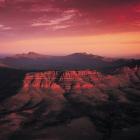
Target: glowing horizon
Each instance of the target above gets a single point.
(108, 28)
(107, 45)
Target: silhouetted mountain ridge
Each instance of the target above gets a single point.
(35, 61)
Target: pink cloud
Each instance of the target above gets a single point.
(31, 17)
(3, 27)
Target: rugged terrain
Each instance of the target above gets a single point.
(78, 61)
(70, 104)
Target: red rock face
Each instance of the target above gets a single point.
(39, 80)
(65, 81)
(79, 80)
(52, 96)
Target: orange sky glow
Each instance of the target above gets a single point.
(108, 28)
(118, 44)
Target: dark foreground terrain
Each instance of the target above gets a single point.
(70, 105)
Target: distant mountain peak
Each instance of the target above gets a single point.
(83, 54)
(29, 55)
(33, 53)
(80, 53)
(88, 55)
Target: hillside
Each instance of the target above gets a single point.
(58, 101)
(78, 61)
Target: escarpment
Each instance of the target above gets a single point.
(68, 81)
(52, 97)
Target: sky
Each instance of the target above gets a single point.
(102, 27)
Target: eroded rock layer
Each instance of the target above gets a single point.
(53, 97)
(73, 81)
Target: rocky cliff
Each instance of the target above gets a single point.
(72, 81)
(53, 97)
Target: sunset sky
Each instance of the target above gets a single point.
(102, 27)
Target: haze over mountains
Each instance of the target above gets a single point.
(79, 96)
(35, 61)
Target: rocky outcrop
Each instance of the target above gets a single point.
(53, 97)
(67, 81)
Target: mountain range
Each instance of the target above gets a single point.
(75, 97)
(35, 61)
